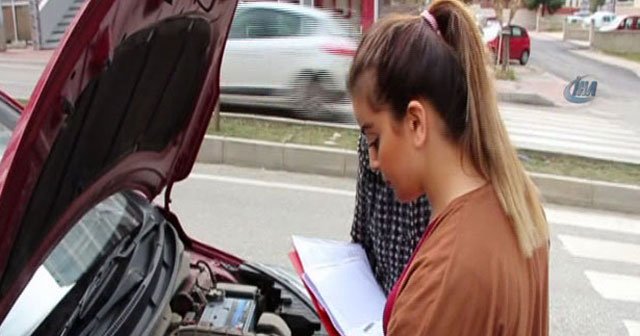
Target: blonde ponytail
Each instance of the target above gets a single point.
(446, 62)
(485, 137)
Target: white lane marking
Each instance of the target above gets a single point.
(592, 220)
(615, 286)
(601, 249)
(278, 185)
(633, 327)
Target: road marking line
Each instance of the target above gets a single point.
(560, 133)
(601, 249)
(592, 220)
(278, 185)
(615, 286)
(633, 327)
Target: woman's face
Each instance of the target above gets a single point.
(391, 149)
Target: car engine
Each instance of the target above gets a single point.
(222, 308)
(149, 284)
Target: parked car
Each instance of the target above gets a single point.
(118, 117)
(598, 19)
(519, 45)
(578, 16)
(297, 54)
(625, 22)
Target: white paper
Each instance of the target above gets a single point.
(339, 275)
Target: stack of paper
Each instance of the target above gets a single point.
(339, 277)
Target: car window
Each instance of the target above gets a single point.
(268, 23)
(91, 238)
(637, 23)
(516, 32)
(341, 27)
(628, 23)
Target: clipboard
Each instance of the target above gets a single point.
(322, 314)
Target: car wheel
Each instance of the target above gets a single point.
(311, 96)
(524, 58)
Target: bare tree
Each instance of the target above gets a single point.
(514, 5)
(500, 5)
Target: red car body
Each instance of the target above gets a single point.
(122, 107)
(520, 44)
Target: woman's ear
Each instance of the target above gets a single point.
(416, 122)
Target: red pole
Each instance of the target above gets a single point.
(367, 14)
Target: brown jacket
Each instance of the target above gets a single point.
(470, 278)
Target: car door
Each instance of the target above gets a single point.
(241, 64)
(264, 45)
(294, 46)
(517, 42)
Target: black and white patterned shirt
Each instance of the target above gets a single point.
(387, 229)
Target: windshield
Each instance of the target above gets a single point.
(93, 237)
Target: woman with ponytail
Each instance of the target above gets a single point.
(424, 98)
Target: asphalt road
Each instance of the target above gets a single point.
(617, 93)
(595, 256)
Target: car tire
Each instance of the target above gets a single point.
(524, 58)
(311, 97)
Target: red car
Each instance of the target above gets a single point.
(117, 118)
(520, 44)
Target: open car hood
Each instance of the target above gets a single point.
(123, 104)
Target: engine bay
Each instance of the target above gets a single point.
(206, 305)
(149, 282)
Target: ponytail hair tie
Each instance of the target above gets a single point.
(430, 20)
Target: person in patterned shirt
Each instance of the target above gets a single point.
(387, 229)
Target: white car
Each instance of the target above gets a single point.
(599, 19)
(286, 54)
(623, 22)
(577, 17)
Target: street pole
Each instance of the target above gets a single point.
(216, 116)
(15, 21)
(3, 40)
(34, 8)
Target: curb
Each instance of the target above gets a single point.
(344, 163)
(524, 98)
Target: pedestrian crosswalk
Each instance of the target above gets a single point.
(601, 249)
(633, 327)
(571, 131)
(604, 249)
(615, 286)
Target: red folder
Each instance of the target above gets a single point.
(322, 313)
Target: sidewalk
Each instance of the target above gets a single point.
(27, 55)
(535, 82)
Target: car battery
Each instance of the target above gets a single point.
(231, 307)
